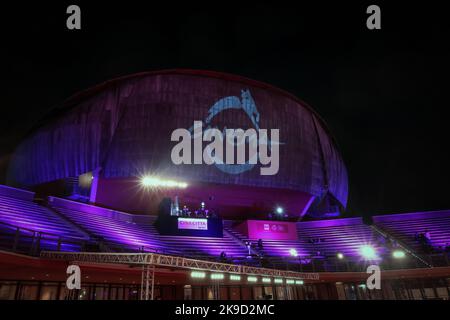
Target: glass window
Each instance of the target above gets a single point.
(101, 292)
(442, 292)
(49, 292)
(268, 293)
(187, 292)
(120, 293)
(133, 293)
(257, 293)
(223, 293)
(350, 291)
(281, 293)
(416, 294)
(8, 290)
(429, 293)
(209, 293)
(235, 293)
(246, 293)
(340, 290)
(28, 292)
(197, 293)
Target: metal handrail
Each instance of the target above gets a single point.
(386, 234)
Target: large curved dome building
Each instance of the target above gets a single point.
(121, 131)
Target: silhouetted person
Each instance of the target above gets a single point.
(447, 247)
(223, 256)
(260, 244)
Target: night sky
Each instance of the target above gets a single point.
(383, 93)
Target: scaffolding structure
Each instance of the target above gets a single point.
(147, 282)
(149, 261)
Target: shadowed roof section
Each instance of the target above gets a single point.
(85, 94)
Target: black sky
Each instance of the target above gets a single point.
(382, 93)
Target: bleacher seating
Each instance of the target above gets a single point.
(406, 226)
(346, 236)
(135, 231)
(29, 215)
(104, 227)
(69, 226)
(19, 214)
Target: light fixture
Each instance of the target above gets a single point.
(278, 280)
(252, 279)
(368, 252)
(266, 280)
(340, 255)
(217, 276)
(146, 181)
(235, 277)
(300, 282)
(290, 281)
(293, 252)
(279, 210)
(398, 254)
(155, 182)
(198, 274)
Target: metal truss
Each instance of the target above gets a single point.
(159, 260)
(147, 282)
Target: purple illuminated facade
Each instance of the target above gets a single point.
(121, 129)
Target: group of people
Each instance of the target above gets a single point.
(277, 216)
(200, 212)
(424, 239)
(316, 240)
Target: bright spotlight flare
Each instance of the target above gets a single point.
(368, 252)
(154, 182)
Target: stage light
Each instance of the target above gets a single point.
(252, 279)
(340, 255)
(155, 182)
(293, 252)
(279, 210)
(368, 252)
(217, 276)
(182, 185)
(398, 254)
(198, 274)
(290, 281)
(235, 277)
(299, 282)
(266, 280)
(146, 181)
(278, 280)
